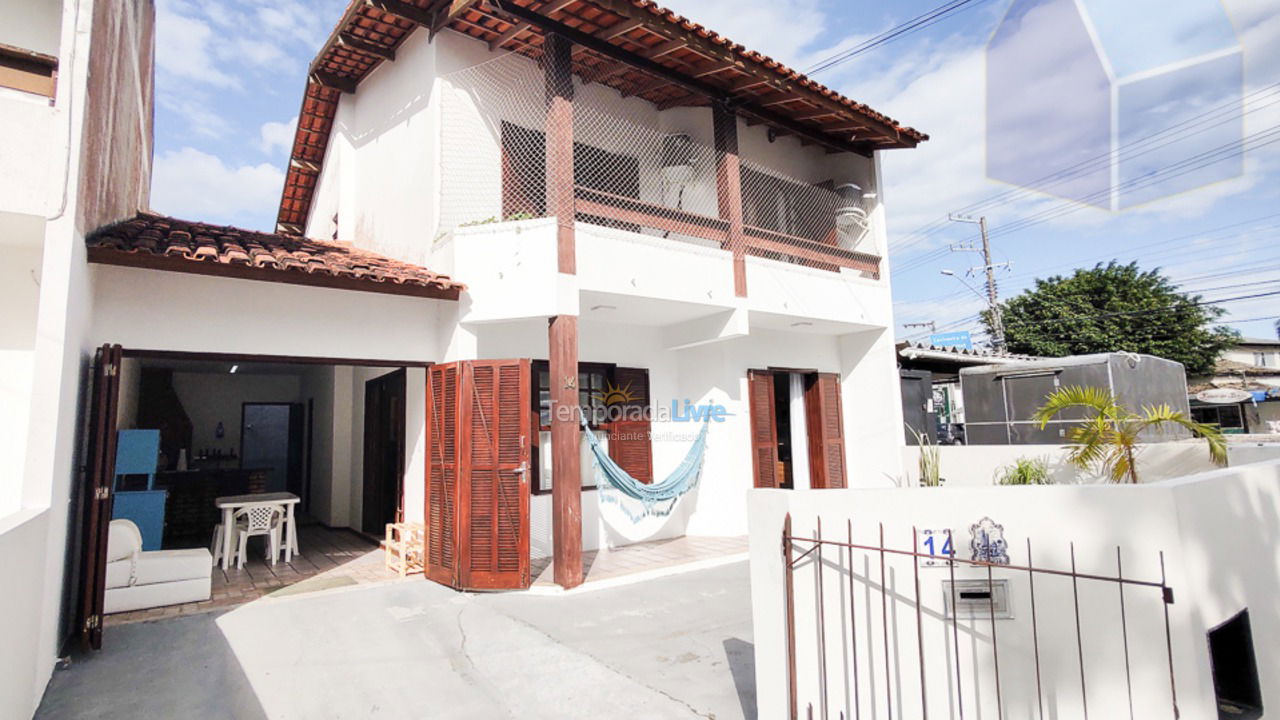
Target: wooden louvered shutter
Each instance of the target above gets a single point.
(825, 423)
(442, 473)
(494, 503)
(631, 440)
(764, 429)
(98, 494)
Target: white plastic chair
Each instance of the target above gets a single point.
(258, 520)
(215, 548)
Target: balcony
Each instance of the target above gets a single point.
(667, 174)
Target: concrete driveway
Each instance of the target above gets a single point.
(672, 647)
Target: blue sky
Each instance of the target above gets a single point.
(230, 76)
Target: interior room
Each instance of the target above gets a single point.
(204, 439)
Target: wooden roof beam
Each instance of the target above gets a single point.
(337, 82)
(621, 28)
(665, 48)
(366, 47)
(412, 13)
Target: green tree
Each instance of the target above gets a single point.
(1107, 441)
(1114, 308)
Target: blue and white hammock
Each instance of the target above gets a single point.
(658, 499)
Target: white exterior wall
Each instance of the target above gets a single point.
(1214, 530)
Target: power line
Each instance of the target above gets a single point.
(915, 24)
(928, 230)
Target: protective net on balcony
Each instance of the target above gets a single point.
(641, 169)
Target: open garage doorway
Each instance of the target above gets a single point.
(175, 434)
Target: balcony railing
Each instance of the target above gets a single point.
(760, 242)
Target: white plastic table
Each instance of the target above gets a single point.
(230, 503)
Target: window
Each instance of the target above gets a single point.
(788, 207)
(1227, 417)
(1260, 359)
(524, 174)
(594, 382)
(28, 71)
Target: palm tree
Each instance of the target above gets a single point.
(1108, 440)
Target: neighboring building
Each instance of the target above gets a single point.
(644, 214)
(1252, 367)
(1001, 400)
(932, 403)
(75, 153)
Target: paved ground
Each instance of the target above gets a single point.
(673, 647)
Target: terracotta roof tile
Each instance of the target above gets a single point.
(378, 32)
(160, 242)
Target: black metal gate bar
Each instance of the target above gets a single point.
(1124, 634)
(1168, 637)
(1075, 597)
(884, 625)
(1035, 630)
(955, 623)
(995, 646)
(822, 626)
(924, 687)
(853, 627)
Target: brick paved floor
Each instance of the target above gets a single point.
(330, 558)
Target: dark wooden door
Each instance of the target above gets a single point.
(494, 501)
(384, 403)
(824, 420)
(96, 496)
(764, 428)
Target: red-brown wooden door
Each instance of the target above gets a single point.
(477, 495)
(96, 499)
(631, 437)
(824, 420)
(440, 559)
(494, 503)
(764, 429)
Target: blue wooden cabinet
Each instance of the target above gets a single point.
(137, 452)
(146, 509)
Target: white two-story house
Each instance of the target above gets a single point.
(633, 201)
(500, 218)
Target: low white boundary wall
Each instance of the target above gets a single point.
(1218, 531)
(978, 465)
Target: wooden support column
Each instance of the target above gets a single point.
(557, 58)
(566, 470)
(562, 335)
(729, 190)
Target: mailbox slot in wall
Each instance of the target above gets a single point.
(974, 599)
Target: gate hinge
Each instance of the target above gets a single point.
(111, 370)
(102, 493)
(92, 622)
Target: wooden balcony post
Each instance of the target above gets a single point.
(562, 335)
(559, 81)
(729, 190)
(566, 470)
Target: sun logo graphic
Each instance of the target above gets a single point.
(614, 395)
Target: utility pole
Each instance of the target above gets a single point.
(932, 325)
(993, 303)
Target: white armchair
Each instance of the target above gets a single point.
(137, 579)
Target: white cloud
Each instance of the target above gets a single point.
(277, 136)
(183, 50)
(194, 185)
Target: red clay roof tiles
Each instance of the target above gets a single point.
(166, 243)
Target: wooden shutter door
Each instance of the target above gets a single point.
(631, 440)
(495, 500)
(764, 428)
(825, 422)
(442, 473)
(96, 501)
